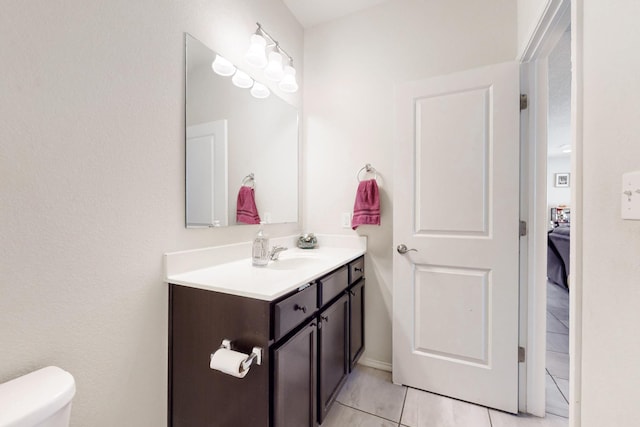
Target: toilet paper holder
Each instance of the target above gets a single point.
(255, 356)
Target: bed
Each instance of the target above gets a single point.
(558, 242)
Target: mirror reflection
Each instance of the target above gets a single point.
(241, 151)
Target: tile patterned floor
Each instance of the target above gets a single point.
(370, 399)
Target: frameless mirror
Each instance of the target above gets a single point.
(231, 135)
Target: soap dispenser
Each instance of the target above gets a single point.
(260, 250)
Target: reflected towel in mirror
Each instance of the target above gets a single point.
(246, 210)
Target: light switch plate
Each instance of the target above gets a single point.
(630, 196)
(346, 219)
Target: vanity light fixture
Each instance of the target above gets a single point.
(274, 69)
(256, 57)
(242, 79)
(223, 66)
(288, 82)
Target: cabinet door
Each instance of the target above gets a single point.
(294, 380)
(356, 323)
(333, 363)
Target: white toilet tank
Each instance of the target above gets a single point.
(39, 399)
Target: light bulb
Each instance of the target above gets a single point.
(274, 69)
(242, 79)
(288, 82)
(223, 66)
(260, 91)
(256, 56)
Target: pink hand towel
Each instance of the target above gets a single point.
(366, 209)
(246, 210)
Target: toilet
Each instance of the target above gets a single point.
(39, 399)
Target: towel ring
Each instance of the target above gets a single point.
(249, 181)
(368, 169)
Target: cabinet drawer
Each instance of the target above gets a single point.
(292, 311)
(356, 270)
(333, 284)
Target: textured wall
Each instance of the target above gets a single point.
(611, 251)
(92, 187)
(352, 65)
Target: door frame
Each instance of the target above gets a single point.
(555, 19)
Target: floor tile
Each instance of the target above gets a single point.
(558, 342)
(422, 409)
(558, 364)
(557, 297)
(554, 325)
(563, 385)
(372, 391)
(341, 416)
(555, 401)
(562, 314)
(502, 419)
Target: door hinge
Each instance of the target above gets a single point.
(521, 354)
(523, 228)
(524, 101)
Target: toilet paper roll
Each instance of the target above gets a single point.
(229, 362)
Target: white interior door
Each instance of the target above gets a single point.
(456, 201)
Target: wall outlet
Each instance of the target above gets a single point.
(346, 220)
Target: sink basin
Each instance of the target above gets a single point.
(296, 260)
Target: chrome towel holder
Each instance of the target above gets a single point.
(249, 181)
(367, 169)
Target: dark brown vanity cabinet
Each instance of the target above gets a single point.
(294, 379)
(356, 310)
(333, 349)
(310, 340)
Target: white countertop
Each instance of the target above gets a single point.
(296, 267)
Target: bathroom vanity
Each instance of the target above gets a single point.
(310, 327)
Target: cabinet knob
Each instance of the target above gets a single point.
(353, 294)
(300, 307)
(358, 269)
(325, 318)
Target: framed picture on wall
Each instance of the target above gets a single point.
(562, 180)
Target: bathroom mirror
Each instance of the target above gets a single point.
(229, 136)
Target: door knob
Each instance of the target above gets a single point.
(402, 249)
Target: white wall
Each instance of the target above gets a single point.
(352, 65)
(611, 251)
(92, 187)
(529, 12)
(558, 195)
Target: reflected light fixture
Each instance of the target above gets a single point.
(242, 79)
(257, 58)
(259, 90)
(223, 66)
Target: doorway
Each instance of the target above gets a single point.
(559, 235)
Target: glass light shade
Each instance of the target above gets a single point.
(256, 56)
(223, 66)
(288, 82)
(274, 69)
(242, 79)
(260, 91)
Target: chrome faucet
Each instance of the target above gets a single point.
(275, 252)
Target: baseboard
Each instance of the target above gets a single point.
(372, 363)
